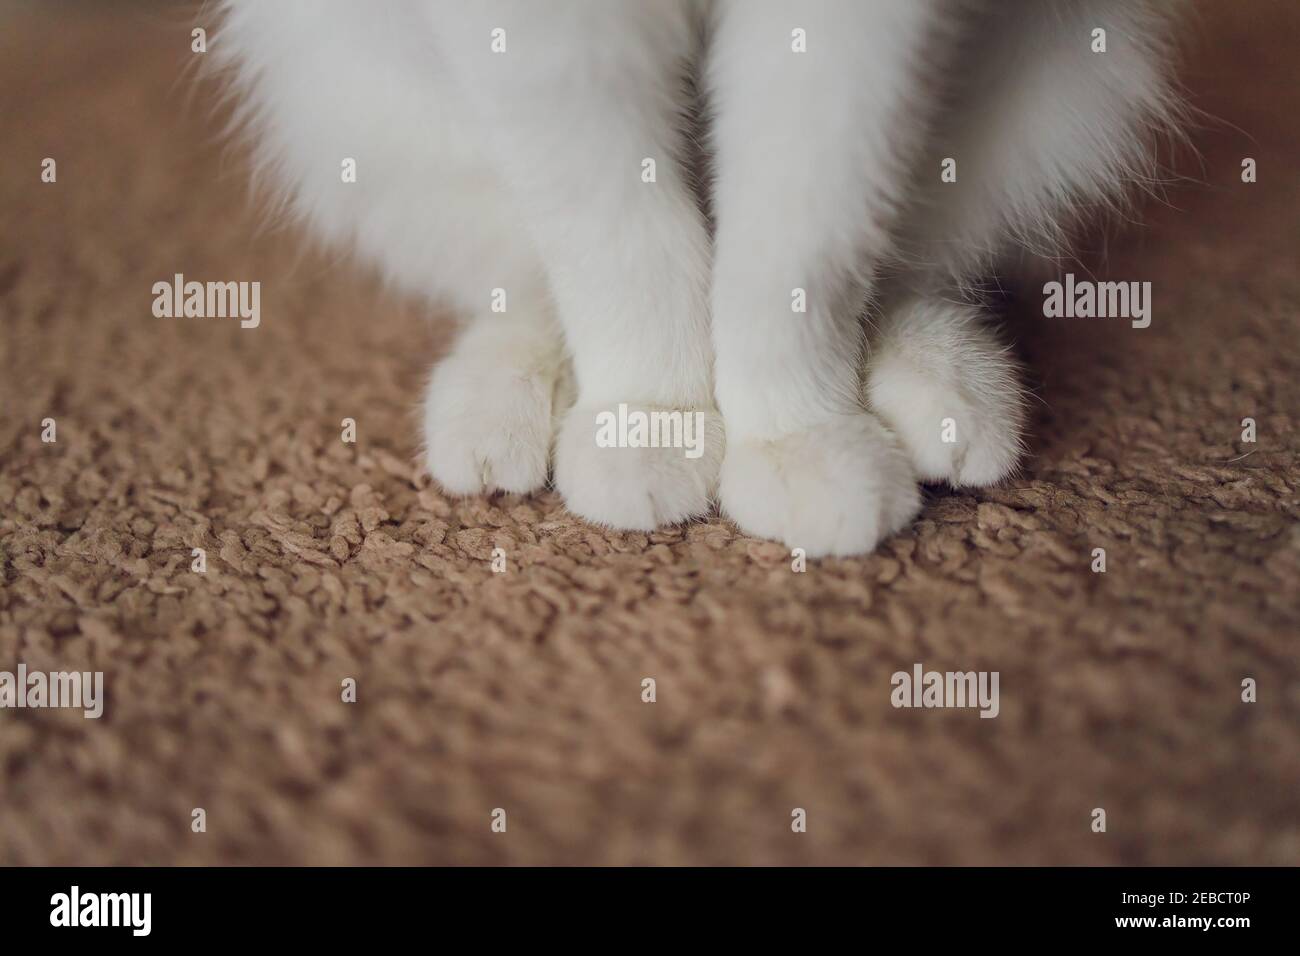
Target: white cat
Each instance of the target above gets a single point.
(534, 154)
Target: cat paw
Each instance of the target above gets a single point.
(835, 489)
(610, 475)
(487, 428)
(950, 391)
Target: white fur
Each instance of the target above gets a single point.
(635, 488)
(522, 171)
(942, 382)
(491, 404)
(833, 488)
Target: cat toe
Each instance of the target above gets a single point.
(638, 467)
(485, 432)
(950, 391)
(835, 489)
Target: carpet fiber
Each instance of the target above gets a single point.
(522, 690)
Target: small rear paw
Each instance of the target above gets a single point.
(950, 391)
(836, 489)
(609, 472)
(487, 428)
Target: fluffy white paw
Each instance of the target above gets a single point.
(487, 427)
(942, 382)
(836, 489)
(609, 472)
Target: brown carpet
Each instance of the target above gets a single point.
(522, 690)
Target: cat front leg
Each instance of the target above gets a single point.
(818, 109)
(580, 105)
